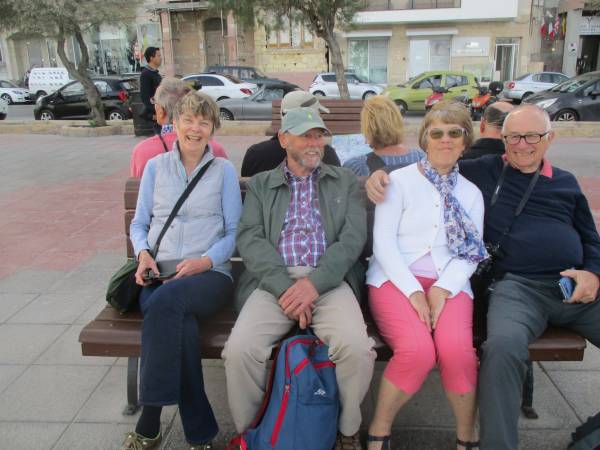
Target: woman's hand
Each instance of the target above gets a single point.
(419, 303)
(194, 266)
(436, 298)
(376, 185)
(145, 262)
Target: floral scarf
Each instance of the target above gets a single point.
(463, 238)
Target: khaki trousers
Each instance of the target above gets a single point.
(337, 321)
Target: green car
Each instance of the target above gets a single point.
(411, 96)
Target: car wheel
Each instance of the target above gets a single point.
(7, 98)
(222, 98)
(525, 95)
(115, 115)
(401, 106)
(40, 94)
(319, 94)
(368, 94)
(566, 115)
(46, 115)
(225, 115)
(2, 116)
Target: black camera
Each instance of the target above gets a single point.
(485, 266)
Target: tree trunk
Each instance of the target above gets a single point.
(337, 63)
(80, 74)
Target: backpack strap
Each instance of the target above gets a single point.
(374, 162)
(162, 139)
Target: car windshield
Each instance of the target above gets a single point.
(522, 77)
(573, 84)
(362, 80)
(231, 78)
(7, 84)
(260, 73)
(130, 85)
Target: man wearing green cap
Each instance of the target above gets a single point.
(301, 233)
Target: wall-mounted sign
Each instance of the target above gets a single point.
(470, 46)
(589, 25)
(572, 47)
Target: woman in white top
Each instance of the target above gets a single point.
(427, 242)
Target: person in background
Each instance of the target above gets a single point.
(427, 242)
(149, 82)
(167, 95)
(269, 154)
(382, 125)
(490, 132)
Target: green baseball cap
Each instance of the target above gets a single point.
(298, 121)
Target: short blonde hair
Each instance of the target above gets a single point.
(381, 122)
(198, 104)
(451, 113)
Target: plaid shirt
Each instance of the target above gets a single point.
(302, 241)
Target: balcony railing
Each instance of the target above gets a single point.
(383, 5)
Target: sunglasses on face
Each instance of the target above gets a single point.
(454, 133)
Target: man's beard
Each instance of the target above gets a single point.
(306, 161)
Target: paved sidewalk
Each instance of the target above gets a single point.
(61, 236)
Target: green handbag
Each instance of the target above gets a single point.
(123, 292)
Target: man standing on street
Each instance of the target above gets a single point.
(149, 81)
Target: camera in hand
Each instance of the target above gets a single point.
(485, 266)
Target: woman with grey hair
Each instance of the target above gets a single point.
(196, 246)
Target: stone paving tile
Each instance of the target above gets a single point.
(30, 436)
(30, 281)
(107, 402)
(23, 344)
(8, 373)
(54, 308)
(90, 314)
(67, 351)
(12, 303)
(93, 436)
(49, 393)
(84, 282)
(581, 389)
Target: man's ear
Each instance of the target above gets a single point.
(482, 126)
(282, 139)
(160, 112)
(551, 136)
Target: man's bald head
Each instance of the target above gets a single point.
(493, 120)
(530, 113)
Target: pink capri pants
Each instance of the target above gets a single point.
(416, 350)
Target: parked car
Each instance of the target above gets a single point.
(576, 99)
(257, 106)
(46, 80)
(325, 85)
(530, 83)
(223, 86)
(13, 93)
(70, 101)
(246, 73)
(411, 96)
(3, 109)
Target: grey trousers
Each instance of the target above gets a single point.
(337, 321)
(519, 311)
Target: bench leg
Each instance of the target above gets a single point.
(132, 387)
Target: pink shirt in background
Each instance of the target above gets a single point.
(149, 148)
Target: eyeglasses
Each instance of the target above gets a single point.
(454, 133)
(530, 138)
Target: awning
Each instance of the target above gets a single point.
(179, 6)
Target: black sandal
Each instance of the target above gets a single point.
(467, 445)
(385, 440)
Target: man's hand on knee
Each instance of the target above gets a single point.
(586, 286)
(299, 298)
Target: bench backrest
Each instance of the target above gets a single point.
(343, 116)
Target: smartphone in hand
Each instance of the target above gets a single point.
(567, 286)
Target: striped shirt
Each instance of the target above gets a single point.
(359, 166)
(302, 241)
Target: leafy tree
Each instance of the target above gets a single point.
(320, 16)
(61, 19)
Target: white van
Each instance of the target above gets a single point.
(46, 80)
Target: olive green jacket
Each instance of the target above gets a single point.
(344, 219)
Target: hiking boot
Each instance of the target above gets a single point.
(135, 441)
(347, 442)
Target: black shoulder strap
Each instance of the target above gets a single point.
(374, 162)
(190, 187)
(162, 139)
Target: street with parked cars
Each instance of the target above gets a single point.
(257, 106)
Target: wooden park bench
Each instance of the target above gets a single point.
(343, 116)
(119, 335)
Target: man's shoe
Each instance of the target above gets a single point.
(347, 442)
(135, 441)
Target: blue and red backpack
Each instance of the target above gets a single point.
(301, 406)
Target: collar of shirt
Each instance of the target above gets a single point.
(295, 178)
(546, 170)
(168, 128)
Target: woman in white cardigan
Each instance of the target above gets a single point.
(427, 242)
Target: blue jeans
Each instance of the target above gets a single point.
(171, 365)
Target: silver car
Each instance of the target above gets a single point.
(530, 83)
(255, 107)
(325, 85)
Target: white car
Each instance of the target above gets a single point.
(3, 109)
(222, 86)
(530, 83)
(325, 85)
(13, 93)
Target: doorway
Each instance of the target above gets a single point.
(507, 54)
(588, 62)
(428, 54)
(215, 31)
